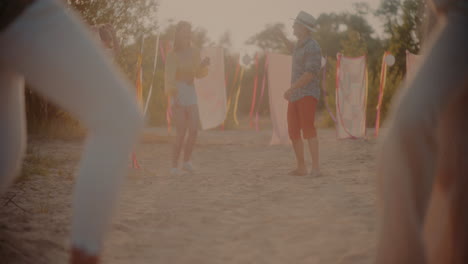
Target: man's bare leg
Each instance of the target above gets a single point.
(314, 154)
(298, 146)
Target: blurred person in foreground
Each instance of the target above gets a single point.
(46, 45)
(423, 160)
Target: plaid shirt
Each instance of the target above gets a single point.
(307, 57)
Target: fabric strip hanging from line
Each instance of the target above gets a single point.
(211, 90)
(168, 108)
(238, 95)
(351, 97)
(232, 89)
(383, 80)
(279, 80)
(155, 63)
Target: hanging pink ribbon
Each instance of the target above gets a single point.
(135, 164)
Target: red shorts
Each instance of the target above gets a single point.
(301, 116)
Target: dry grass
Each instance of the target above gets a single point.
(36, 163)
(64, 128)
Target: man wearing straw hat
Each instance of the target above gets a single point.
(304, 93)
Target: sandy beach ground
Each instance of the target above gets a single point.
(239, 207)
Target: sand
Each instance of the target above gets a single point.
(239, 207)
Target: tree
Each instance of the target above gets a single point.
(404, 25)
(362, 8)
(130, 18)
(353, 45)
(268, 40)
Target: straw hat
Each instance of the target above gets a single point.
(306, 20)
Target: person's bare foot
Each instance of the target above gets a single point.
(78, 256)
(298, 172)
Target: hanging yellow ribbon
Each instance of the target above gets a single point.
(383, 81)
(229, 94)
(237, 96)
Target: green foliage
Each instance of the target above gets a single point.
(130, 18)
(404, 28)
(353, 45)
(268, 40)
